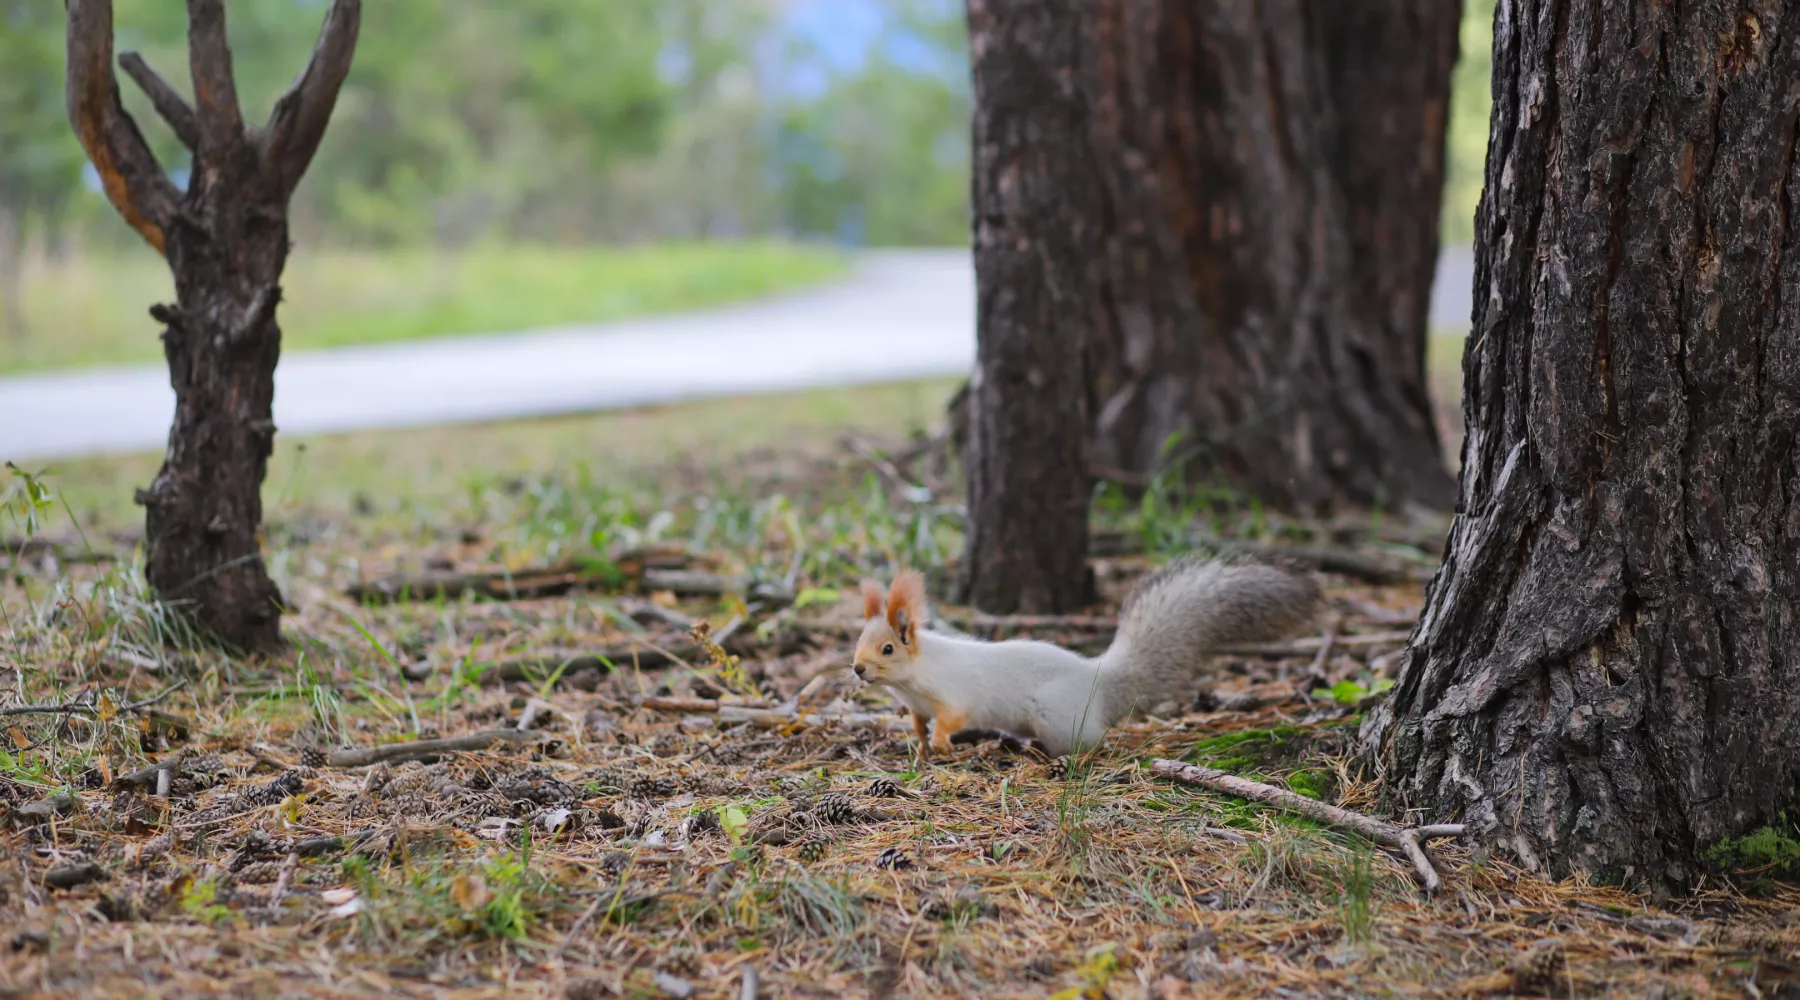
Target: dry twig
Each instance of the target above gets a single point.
(1407, 841)
(420, 749)
(90, 708)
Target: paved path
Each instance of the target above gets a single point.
(901, 315)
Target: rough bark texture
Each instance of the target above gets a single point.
(1606, 678)
(1269, 234)
(1036, 219)
(226, 241)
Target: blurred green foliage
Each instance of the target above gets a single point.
(469, 122)
(549, 120)
(1470, 99)
(617, 120)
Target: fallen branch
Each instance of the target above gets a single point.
(774, 718)
(1327, 558)
(627, 567)
(314, 846)
(421, 749)
(1407, 841)
(70, 876)
(432, 585)
(39, 548)
(1312, 644)
(680, 704)
(90, 708)
(642, 654)
(990, 625)
(147, 777)
(60, 804)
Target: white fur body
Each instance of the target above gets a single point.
(1021, 687)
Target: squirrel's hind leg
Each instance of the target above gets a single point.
(948, 724)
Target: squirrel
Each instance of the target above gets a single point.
(1065, 701)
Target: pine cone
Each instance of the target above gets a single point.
(893, 860)
(813, 849)
(835, 808)
(257, 844)
(701, 822)
(313, 756)
(885, 788)
(260, 872)
(606, 781)
(280, 787)
(1535, 968)
(650, 788)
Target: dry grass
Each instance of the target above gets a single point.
(640, 843)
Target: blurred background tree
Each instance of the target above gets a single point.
(40, 161)
(612, 122)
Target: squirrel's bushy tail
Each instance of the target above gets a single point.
(1176, 616)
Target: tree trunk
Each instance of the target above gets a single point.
(1035, 219)
(203, 513)
(1606, 678)
(226, 241)
(1268, 242)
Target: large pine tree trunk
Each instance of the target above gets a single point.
(226, 240)
(1036, 219)
(1270, 239)
(1607, 675)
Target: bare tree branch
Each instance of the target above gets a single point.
(133, 180)
(298, 122)
(215, 90)
(168, 102)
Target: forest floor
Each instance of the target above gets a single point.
(655, 814)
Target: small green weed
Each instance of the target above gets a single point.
(1350, 693)
(1772, 850)
(199, 900)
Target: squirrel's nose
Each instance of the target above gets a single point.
(858, 668)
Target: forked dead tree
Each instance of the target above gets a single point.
(226, 241)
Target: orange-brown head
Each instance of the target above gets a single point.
(890, 636)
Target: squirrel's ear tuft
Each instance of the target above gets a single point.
(871, 592)
(906, 603)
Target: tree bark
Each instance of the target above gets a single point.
(1269, 240)
(1036, 217)
(226, 241)
(1606, 677)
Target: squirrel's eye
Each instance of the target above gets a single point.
(887, 650)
